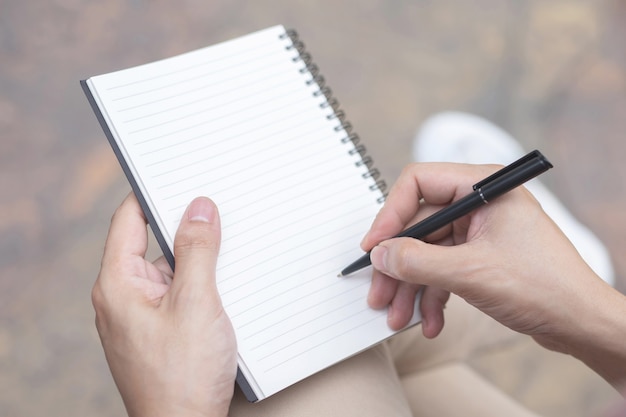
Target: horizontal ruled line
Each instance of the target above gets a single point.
(216, 179)
(206, 110)
(207, 122)
(311, 321)
(249, 229)
(247, 130)
(293, 261)
(323, 342)
(197, 88)
(210, 97)
(299, 220)
(184, 69)
(308, 336)
(227, 151)
(216, 168)
(287, 237)
(199, 77)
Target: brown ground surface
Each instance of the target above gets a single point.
(551, 72)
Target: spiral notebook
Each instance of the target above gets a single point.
(251, 124)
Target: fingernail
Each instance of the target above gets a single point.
(378, 256)
(390, 314)
(364, 238)
(201, 210)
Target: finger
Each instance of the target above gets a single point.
(128, 235)
(400, 207)
(435, 183)
(166, 271)
(402, 306)
(196, 247)
(431, 306)
(414, 261)
(127, 239)
(382, 290)
(427, 210)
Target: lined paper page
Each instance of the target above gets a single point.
(238, 123)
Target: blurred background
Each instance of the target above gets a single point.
(553, 73)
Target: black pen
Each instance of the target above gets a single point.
(504, 180)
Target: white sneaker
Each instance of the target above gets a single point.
(461, 137)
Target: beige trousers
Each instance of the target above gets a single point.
(408, 375)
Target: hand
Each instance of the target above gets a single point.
(507, 258)
(169, 344)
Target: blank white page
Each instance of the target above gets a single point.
(237, 122)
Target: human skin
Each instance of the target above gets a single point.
(172, 351)
(168, 342)
(508, 259)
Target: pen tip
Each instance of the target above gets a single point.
(339, 275)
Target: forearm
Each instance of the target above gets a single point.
(598, 338)
(608, 355)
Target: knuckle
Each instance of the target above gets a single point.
(199, 238)
(116, 214)
(100, 324)
(97, 296)
(99, 301)
(408, 169)
(402, 264)
(102, 297)
(408, 172)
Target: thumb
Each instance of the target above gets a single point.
(418, 262)
(196, 247)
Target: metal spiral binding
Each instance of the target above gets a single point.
(338, 114)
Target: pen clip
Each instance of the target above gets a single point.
(523, 160)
